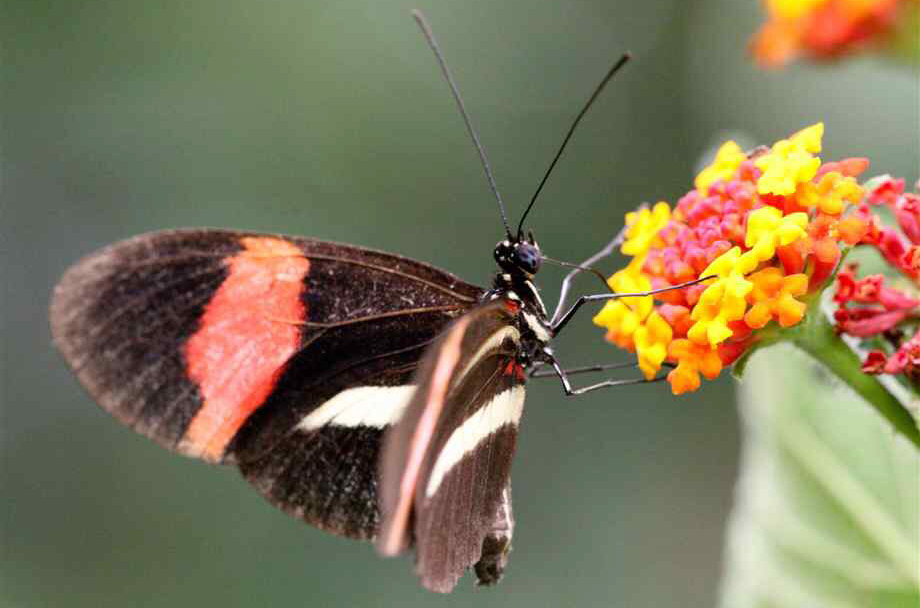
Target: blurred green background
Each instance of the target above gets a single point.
(330, 119)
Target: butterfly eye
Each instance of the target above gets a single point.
(527, 257)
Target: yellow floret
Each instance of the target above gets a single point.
(652, 340)
(723, 301)
(643, 227)
(724, 167)
(623, 316)
(768, 228)
(790, 162)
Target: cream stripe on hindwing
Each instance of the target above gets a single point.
(376, 406)
(492, 344)
(504, 408)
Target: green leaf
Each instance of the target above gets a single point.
(827, 507)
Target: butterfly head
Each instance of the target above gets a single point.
(519, 256)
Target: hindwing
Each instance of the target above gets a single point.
(446, 465)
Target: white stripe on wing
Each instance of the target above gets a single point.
(504, 408)
(376, 406)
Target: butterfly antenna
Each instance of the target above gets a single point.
(429, 36)
(597, 91)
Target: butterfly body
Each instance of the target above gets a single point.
(293, 358)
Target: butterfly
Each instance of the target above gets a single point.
(368, 394)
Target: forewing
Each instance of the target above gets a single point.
(322, 466)
(446, 465)
(218, 344)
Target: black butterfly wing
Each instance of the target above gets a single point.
(221, 344)
(446, 465)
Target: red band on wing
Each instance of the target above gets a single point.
(250, 328)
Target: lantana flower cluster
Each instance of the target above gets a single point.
(884, 312)
(825, 29)
(767, 226)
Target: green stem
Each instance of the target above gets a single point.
(827, 348)
(816, 336)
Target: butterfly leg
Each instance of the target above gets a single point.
(581, 301)
(563, 376)
(539, 372)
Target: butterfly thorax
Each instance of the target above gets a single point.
(519, 261)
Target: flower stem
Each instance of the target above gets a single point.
(816, 336)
